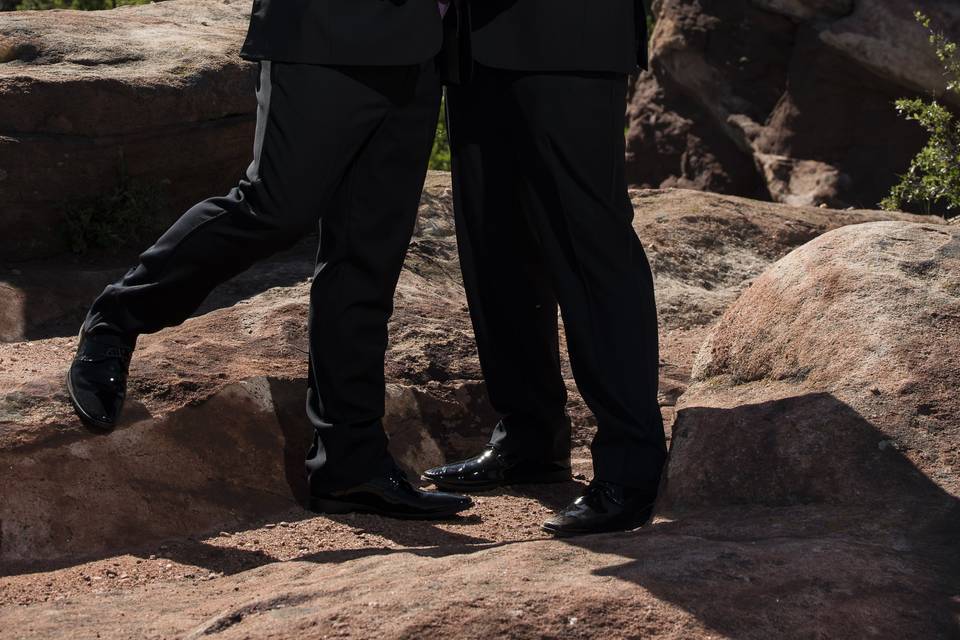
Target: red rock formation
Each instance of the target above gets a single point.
(812, 490)
(214, 429)
(155, 92)
(786, 100)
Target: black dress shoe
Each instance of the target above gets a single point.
(97, 379)
(604, 506)
(494, 468)
(393, 496)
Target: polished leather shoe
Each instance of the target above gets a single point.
(97, 379)
(604, 506)
(493, 468)
(393, 496)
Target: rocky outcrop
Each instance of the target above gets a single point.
(844, 356)
(150, 99)
(704, 250)
(803, 498)
(826, 395)
(215, 432)
(791, 101)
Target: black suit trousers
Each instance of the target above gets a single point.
(345, 148)
(543, 217)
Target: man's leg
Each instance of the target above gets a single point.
(304, 144)
(571, 146)
(569, 133)
(316, 125)
(512, 304)
(363, 242)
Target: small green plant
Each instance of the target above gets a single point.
(933, 180)
(440, 156)
(651, 18)
(130, 214)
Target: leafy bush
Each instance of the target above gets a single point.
(933, 180)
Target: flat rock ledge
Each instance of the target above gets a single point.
(152, 99)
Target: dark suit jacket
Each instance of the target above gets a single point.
(346, 32)
(526, 35)
(558, 35)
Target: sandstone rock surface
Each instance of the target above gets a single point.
(185, 523)
(663, 581)
(156, 93)
(825, 397)
(833, 380)
(791, 101)
(215, 431)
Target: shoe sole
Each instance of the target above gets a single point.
(85, 418)
(638, 522)
(339, 507)
(474, 487)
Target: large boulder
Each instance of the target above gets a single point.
(786, 100)
(152, 100)
(705, 249)
(829, 387)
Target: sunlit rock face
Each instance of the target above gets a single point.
(784, 100)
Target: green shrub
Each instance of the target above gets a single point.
(440, 156)
(933, 180)
(129, 215)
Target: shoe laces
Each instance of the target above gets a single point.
(398, 475)
(599, 488)
(115, 358)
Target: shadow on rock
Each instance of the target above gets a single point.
(51, 297)
(553, 496)
(790, 518)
